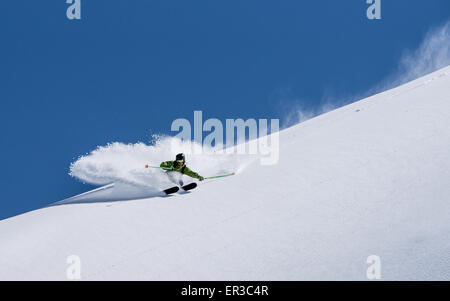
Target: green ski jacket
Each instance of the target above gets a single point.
(171, 165)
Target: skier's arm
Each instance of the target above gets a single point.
(168, 165)
(192, 174)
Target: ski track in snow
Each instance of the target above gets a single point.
(122, 165)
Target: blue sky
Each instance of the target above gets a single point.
(127, 69)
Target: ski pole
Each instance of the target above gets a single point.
(221, 176)
(148, 166)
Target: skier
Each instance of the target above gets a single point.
(179, 167)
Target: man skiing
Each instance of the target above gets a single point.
(179, 166)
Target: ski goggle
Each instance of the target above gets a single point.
(180, 161)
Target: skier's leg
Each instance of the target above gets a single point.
(171, 176)
(175, 177)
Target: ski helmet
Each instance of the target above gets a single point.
(180, 157)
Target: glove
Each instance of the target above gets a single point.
(200, 178)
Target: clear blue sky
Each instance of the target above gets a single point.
(127, 69)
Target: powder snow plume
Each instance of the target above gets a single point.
(124, 164)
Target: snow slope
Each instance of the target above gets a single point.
(370, 178)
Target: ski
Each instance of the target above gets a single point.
(189, 186)
(171, 190)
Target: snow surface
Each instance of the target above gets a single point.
(370, 178)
